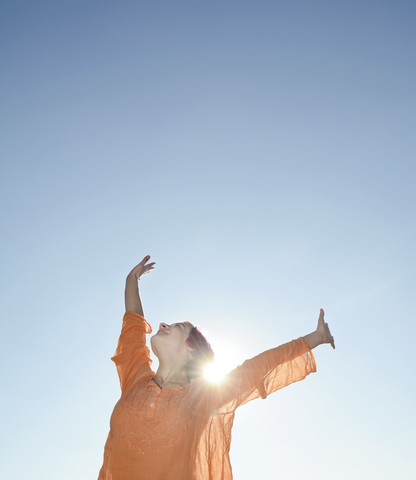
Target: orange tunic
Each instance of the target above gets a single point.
(184, 433)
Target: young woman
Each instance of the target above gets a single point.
(172, 424)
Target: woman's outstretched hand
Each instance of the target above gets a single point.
(131, 292)
(324, 331)
(142, 268)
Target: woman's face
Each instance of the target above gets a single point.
(171, 339)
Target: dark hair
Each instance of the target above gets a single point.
(202, 353)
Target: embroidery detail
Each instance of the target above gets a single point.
(150, 430)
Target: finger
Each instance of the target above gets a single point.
(321, 317)
(331, 338)
(146, 270)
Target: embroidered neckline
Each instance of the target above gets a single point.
(175, 387)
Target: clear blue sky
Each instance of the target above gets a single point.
(263, 154)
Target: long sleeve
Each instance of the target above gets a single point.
(265, 373)
(255, 378)
(132, 357)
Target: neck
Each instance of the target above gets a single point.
(171, 375)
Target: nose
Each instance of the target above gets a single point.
(163, 326)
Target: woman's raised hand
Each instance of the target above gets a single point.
(323, 329)
(142, 269)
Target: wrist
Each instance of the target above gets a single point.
(314, 339)
(131, 277)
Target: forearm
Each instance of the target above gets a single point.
(132, 297)
(314, 339)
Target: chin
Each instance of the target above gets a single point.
(154, 343)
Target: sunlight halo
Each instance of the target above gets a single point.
(226, 359)
(214, 372)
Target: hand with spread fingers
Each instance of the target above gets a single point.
(131, 293)
(142, 268)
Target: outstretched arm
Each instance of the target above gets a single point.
(321, 335)
(131, 292)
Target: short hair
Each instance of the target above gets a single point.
(202, 353)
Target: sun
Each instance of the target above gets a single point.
(214, 372)
(225, 360)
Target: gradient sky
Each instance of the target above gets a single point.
(262, 152)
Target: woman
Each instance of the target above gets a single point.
(172, 424)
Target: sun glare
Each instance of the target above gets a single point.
(214, 372)
(225, 360)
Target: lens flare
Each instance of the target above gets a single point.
(214, 372)
(225, 360)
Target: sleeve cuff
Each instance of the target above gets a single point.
(308, 354)
(136, 318)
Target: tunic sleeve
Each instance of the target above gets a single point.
(132, 357)
(267, 372)
(255, 378)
